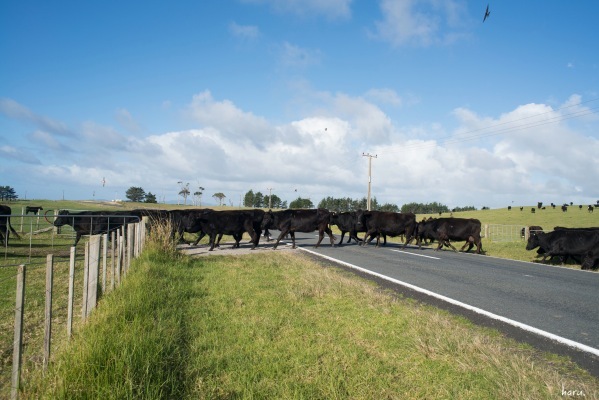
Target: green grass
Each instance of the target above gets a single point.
(282, 326)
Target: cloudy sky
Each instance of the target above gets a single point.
(287, 95)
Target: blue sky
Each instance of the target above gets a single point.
(288, 94)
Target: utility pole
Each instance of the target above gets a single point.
(370, 157)
(270, 198)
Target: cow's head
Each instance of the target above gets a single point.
(267, 220)
(62, 218)
(533, 242)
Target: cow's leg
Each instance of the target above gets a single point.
(342, 236)
(237, 237)
(200, 236)
(448, 243)
(331, 236)
(368, 236)
(281, 235)
(213, 241)
(77, 238)
(292, 234)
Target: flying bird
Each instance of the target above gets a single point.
(487, 13)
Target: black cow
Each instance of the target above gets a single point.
(33, 209)
(533, 229)
(591, 208)
(564, 208)
(346, 222)
(377, 223)
(565, 243)
(425, 231)
(299, 220)
(233, 222)
(181, 221)
(444, 230)
(591, 259)
(94, 222)
(5, 226)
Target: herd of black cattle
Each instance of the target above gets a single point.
(581, 244)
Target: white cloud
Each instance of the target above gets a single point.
(525, 155)
(246, 32)
(124, 117)
(419, 23)
(228, 119)
(18, 111)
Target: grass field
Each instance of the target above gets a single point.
(35, 288)
(285, 327)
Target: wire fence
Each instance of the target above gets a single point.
(507, 233)
(47, 285)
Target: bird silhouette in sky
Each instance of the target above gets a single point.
(487, 13)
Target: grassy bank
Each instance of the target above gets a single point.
(282, 326)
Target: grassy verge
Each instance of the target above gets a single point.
(281, 326)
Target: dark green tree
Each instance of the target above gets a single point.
(259, 200)
(7, 193)
(150, 198)
(248, 199)
(301, 203)
(136, 194)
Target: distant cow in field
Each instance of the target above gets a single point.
(33, 209)
(590, 208)
(5, 226)
(564, 208)
(385, 223)
(299, 220)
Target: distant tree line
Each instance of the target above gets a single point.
(259, 200)
(8, 194)
(432, 208)
(348, 204)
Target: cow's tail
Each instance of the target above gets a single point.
(13, 230)
(46, 217)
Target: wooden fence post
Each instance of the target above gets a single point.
(112, 258)
(104, 260)
(130, 243)
(48, 314)
(71, 292)
(119, 263)
(18, 337)
(85, 281)
(93, 272)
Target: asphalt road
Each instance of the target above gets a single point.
(558, 303)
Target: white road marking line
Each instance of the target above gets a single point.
(415, 254)
(567, 342)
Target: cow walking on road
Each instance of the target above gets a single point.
(384, 223)
(299, 220)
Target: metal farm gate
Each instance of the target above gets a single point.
(505, 233)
